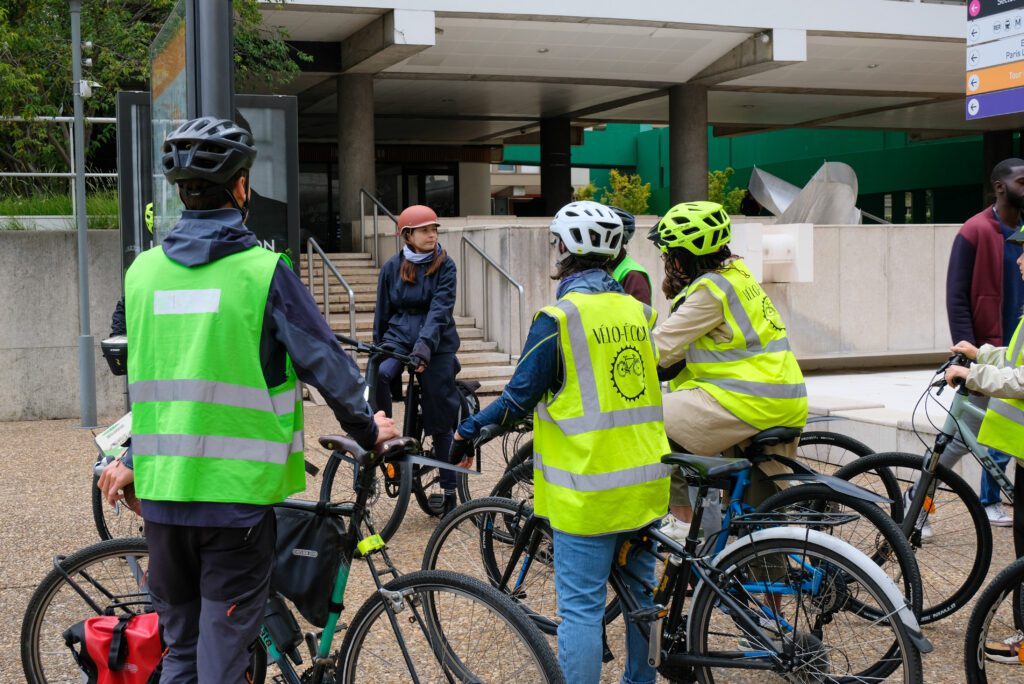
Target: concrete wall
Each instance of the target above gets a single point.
(39, 322)
(878, 294)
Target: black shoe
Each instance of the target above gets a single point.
(450, 502)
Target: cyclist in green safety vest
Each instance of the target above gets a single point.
(740, 376)
(625, 270)
(589, 373)
(220, 333)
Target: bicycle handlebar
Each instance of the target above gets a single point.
(369, 348)
(957, 359)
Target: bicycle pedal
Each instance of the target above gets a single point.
(651, 614)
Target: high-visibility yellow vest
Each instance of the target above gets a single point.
(206, 427)
(599, 440)
(754, 375)
(1003, 426)
(627, 266)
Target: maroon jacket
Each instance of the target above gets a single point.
(974, 281)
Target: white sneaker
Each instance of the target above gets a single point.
(923, 525)
(998, 516)
(1007, 650)
(675, 529)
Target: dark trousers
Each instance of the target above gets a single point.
(1018, 509)
(209, 587)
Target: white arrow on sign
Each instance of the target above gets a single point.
(974, 82)
(973, 107)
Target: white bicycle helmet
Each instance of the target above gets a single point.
(588, 228)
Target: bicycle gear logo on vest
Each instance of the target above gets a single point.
(628, 374)
(772, 315)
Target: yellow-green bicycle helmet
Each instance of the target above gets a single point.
(698, 227)
(149, 217)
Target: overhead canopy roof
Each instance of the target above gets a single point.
(489, 75)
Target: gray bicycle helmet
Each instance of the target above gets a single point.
(628, 223)
(207, 149)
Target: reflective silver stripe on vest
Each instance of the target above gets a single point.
(758, 389)
(185, 302)
(603, 421)
(593, 417)
(726, 355)
(600, 482)
(1008, 411)
(221, 393)
(213, 446)
(1018, 346)
(736, 307)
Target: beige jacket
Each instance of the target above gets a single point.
(701, 315)
(990, 375)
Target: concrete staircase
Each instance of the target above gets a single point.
(480, 358)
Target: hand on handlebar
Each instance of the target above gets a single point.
(966, 348)
(957, 375)
(464, 450)
(385, 428)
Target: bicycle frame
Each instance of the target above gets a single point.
(953, 425)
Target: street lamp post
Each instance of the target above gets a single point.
(86, 349)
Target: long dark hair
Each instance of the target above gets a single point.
(682, 267)
(408, 270)
(577, 264)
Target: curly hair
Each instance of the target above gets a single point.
(682, 267)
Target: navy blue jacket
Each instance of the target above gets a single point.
(540, 366)
(417, 317)
(292, 326)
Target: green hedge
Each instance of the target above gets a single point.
(101, 207)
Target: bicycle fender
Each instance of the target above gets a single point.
(434, 463)
(844, 550)
(824, 419)
(835, 484)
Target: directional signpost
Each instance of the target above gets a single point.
(995, 58)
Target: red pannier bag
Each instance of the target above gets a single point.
(112, 649)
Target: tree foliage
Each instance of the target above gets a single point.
(718, 181)
(627, 191)
(35, 67)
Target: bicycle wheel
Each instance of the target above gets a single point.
(453, 629)
(114, 575)
(477, 539)
(996, 616)
(798, 585)
(516, 483)
(426, 481)
(114, 521)
(955, 559)
(388, 498)
(874, 533)
(827, 451)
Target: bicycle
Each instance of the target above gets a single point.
(748, 601)
(937, 510)
(423, 480)
(425, 644)
(992, 619)
(871, 530)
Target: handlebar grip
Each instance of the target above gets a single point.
(489, 432)
(345, 339)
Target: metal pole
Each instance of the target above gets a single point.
(215, 67)
(86, 353)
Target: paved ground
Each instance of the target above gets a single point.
(47, 512)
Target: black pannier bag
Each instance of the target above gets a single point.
(308, 558)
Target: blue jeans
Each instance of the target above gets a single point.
(989, 487)
(582, 566)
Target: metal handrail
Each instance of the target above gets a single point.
(377, 208)
(312, 245)
(488, 261)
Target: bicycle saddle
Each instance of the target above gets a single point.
(775, 435)
(707, 467)
(350, 446)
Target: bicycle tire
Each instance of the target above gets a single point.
(516, 483)
(1007, 582)
(884, 539)
(835, 556)
(532, 642)
(537, 599)
(113, 522)
(44, 594)
(386, 518)
(935, 559)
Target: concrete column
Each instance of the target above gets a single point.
(688, 143)
(356, 152)
(474, 189)
(555, 164)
